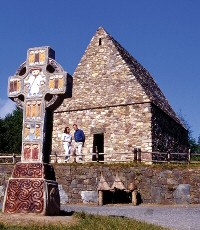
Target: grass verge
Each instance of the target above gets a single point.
(90, 222)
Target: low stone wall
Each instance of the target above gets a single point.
(5, 173)
(78, 183)
(154, 185)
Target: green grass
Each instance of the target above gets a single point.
(91, 222)
(195, 158)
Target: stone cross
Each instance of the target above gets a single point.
(38, 86)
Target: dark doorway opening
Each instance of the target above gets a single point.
(117, 197)
(98, 147)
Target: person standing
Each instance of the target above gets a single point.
(67, 140)
(79, 138)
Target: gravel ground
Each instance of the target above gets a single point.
(173, 217)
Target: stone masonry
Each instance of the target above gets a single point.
(155, 185)
(114, 96)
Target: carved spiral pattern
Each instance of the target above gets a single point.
(28, 170)
(25, 195)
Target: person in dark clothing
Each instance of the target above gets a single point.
(79, 138)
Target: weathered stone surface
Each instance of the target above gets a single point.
(182, 194)
(2, 191)
(164, 187)
(63, 195)
(154, 185)
(89, 196)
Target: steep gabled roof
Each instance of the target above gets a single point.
(144, 78)
(107, 75)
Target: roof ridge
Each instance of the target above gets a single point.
(154, 92)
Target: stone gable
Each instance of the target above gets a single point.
(102, 78)
(113, 95)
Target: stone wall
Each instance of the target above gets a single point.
(78, 184)
(5, 173)
(167, 135)
(102, 78)
(155, 185)
(123, 127)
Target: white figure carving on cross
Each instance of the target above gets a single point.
(34, 81)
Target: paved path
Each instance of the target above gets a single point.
(173, 217)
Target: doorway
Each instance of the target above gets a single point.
(98, 147)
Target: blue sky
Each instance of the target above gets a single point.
(163, 35)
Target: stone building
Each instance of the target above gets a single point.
(119, 106)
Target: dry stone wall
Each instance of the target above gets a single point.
(154, 185)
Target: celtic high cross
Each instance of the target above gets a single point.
(37, 87)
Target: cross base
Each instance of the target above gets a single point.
(32, 189)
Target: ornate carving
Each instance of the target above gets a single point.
(37, 84)
(27, 151)
(28, 170)
(37, 131)
(31, 151)
(14, 86)
(33, 110)
(25, 195)
(34, 83)
(56, 82)
(31, 84)
(31, 131)
(35, 152)
(37, 57)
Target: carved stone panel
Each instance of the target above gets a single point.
(37, 56)
(30, 170)
(30, 152)
(32, 131)
(25, 196)
(34, 83)
(15, 86)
